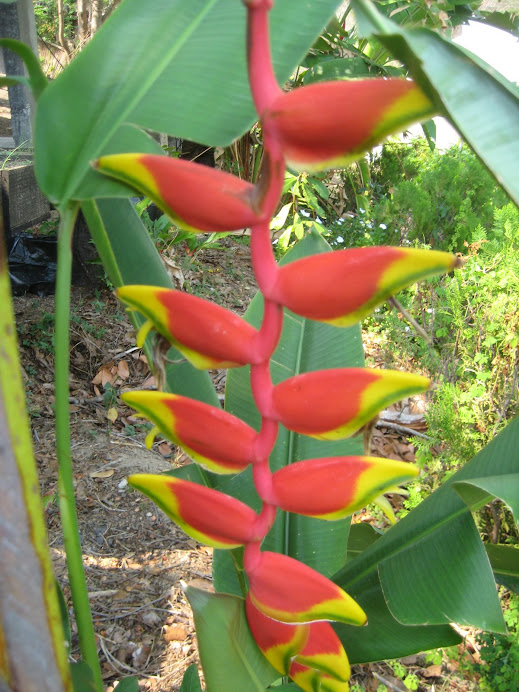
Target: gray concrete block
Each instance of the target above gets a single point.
(23, 205)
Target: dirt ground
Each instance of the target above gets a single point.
(135, 558)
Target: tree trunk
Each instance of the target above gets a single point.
(96, 16)
(82, 21)
(62, 39)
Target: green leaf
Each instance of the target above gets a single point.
(506, 21)
(127, 138)
(480, 102)
(429, 130)
(383, 636)
(82, 678)
(194, 473)
(37, 80)
(128, 685)
(130, 257)
(429, 568)
(13, 80)
(505, 563)
(65, 619)
(228, 652)
(175, 66)
(448, 578)
(361, 537)
(191, 681)
(341, 68)
(478, 491)
(305, 345)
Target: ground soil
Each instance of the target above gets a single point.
(136, 560)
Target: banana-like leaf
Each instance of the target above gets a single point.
(481, 103)
(340, 68)
(237, 658)
(32, 651)
(476, 492)
(305, 345)
(191, 681)
(129, 685)
(360, 538)
(505, 563)
(174, 66)
(448, 575)
(82, 678)
(130, 257)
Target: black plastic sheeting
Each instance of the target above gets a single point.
(32, 264)
(32, 259)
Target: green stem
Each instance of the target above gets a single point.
(67, 503)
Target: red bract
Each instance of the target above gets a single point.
(215, 439)
(333, 404)
(343, 287)
(205, 514)
(324, 652)
(330, 124)
(311, 680)
(278, 641)
(196, 197)
(335, 487)
(208, 335)
(312, 646)
(289, 591)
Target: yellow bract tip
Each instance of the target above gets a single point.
(143, 332)
(150, 437)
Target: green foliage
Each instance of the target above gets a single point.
(305, 205)
(499, 670)
(410, 680)
(356, 687)
(439, 199)
(417, 196)
(472, 320)
(38, 334)
(46, 12)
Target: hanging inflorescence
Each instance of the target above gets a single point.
(288, 604)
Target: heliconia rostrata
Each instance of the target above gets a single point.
(288, 605)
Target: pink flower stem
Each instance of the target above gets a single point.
(265, 90)
(264, 265)
(251, 557)
(265, 440)
(262, 80)
(268, 336)
(262, 388)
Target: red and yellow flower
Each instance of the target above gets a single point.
(302, 651)
(335, 487)
(334, 404)
(196, 197)
(208, 335)
(212, 437)
(288, 590)
(207, 515)
(343, 287)
(330, 124)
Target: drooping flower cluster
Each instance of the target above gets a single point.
(288, 604)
